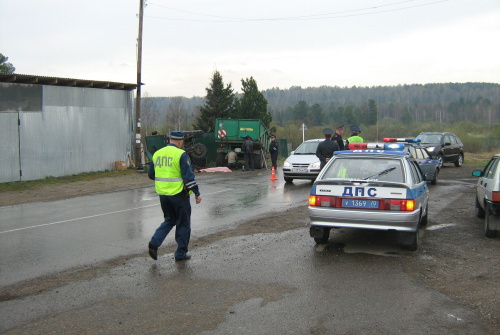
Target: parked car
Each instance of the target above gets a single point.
(488, 196)
(445, 146)
(303, 162)
(370, 189)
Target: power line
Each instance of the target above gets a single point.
(324, 16)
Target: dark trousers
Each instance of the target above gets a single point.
(177, 213)
(274, 161)
(249, 164)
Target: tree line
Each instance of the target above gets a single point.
(405, 107)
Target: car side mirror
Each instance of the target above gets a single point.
(291, 153)
(477, 173)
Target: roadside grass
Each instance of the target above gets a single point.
(22, 185)
(480, 158)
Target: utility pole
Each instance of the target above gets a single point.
(138, 96)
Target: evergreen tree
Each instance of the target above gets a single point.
(219, 103)
(252, 105)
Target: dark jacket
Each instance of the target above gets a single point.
(338, 138)
(325, 150)
(247, 146)
(273, 148)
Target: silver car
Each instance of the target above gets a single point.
(370, 189)
(303, 162)
(488, 196)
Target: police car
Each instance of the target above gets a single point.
(429, 165)
(372, 186)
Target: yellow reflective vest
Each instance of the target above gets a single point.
(168, 177)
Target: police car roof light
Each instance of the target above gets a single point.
(407, 140)
(358, 146)
(394, 146)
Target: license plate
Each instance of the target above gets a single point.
(299, 170)
(358, 203)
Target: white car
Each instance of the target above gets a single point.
(488, 196)
(303, 162)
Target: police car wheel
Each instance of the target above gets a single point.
(410, 240)
(288, 180)
(479, 210)
(487, 231)
(424, 219)
(435, 179)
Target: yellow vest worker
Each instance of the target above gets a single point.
(174, 182)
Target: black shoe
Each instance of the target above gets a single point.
(185, 258)
(153, 251)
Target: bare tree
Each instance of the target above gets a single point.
(176, 115)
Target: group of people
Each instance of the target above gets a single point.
(334, 142)
(247, 148)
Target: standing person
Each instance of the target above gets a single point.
(174, 181)
(248, 150)
(274, 150)
(337, 137)
(355, 138)
(326, 148)
(232, 160)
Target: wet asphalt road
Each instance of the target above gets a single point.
(59, 235)
(277, 283)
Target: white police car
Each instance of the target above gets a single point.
(374, 186)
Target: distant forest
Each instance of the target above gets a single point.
(444, 103)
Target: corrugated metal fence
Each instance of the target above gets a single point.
(57, 131)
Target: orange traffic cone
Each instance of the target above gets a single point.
(273, 174)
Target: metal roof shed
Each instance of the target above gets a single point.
(61, 126)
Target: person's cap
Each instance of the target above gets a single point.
(327, 131)
(340, 127)
(176, 135)
(355, 129)
(272, 136)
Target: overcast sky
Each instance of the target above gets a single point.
(281, 43)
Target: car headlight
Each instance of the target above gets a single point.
(431, 149)
(316, 164)
(286, 164)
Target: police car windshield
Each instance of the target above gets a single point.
(380, 169)
(307, 148)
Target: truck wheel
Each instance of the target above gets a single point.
(221, 159)
(257, 161)
(199, 150)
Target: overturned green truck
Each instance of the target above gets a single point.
(231, 133)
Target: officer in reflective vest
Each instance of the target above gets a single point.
(355, 138)
(174, 179)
